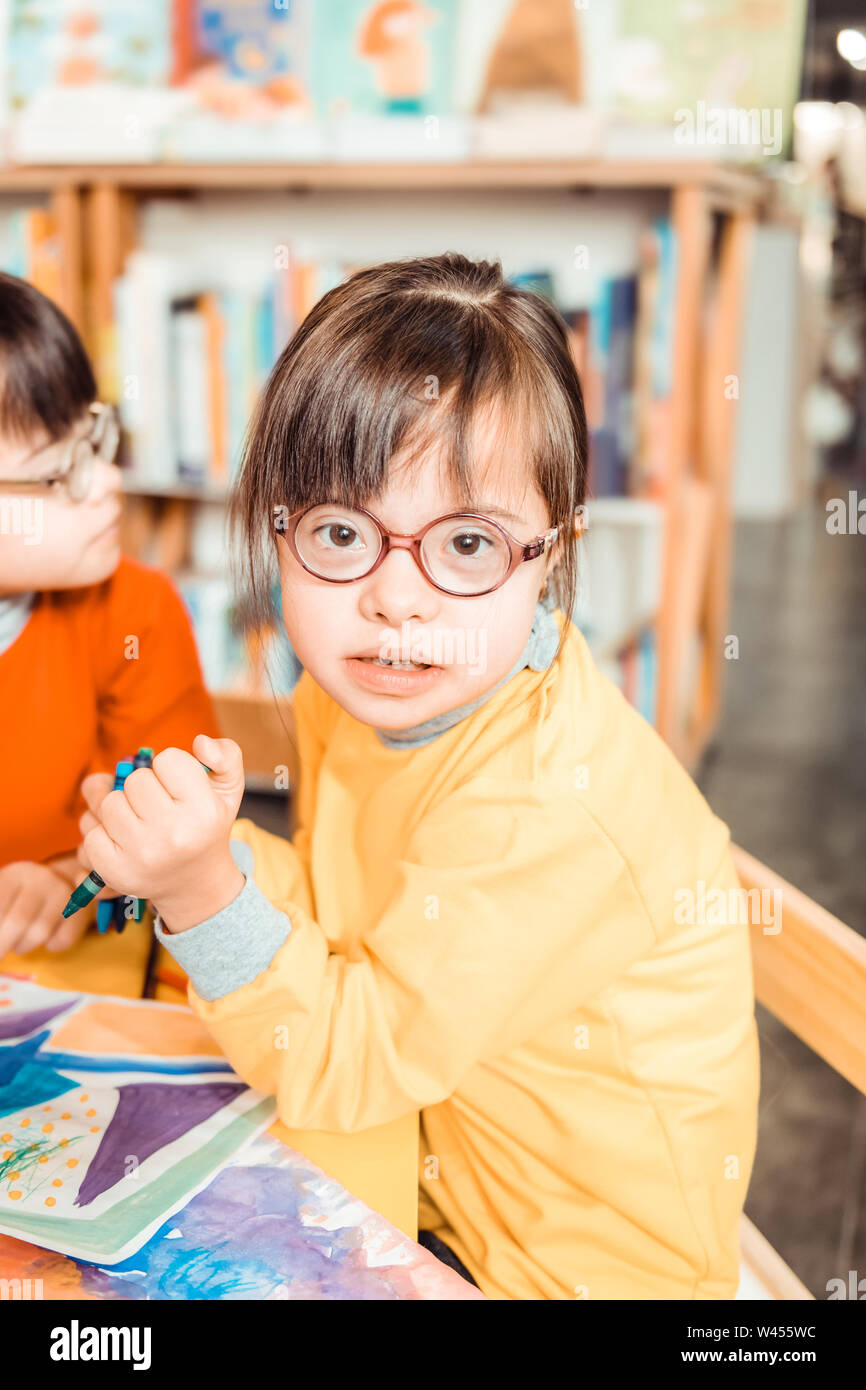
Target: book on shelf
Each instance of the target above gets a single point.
(420, 80)
(623, 349)
(633, 669)
(707, 67)
(32, 249)
(654, 357)
(194, 349)
(196, 343)
(236, 659)
(87, 82)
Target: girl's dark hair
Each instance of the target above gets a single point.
(398, 356)
(46, 380)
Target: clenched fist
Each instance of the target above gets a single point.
(165, 835)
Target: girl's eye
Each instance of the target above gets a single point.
(467, 545)
(337, 533)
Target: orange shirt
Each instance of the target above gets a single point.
(95, 673)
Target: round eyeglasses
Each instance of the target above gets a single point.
(75, 472)
(464, 553)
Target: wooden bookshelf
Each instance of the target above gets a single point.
(727, 184)
(710, 205)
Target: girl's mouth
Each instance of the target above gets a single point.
(397, 678)
(396, 665)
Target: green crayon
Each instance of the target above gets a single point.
(84, 893)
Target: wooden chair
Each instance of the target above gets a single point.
(812, 976)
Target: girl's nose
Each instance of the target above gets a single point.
(395, 595)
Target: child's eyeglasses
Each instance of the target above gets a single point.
(75, 473)
(464, 553)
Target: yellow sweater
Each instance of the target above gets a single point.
(489, 929)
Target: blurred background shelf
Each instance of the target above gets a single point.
(186, 179)
(103, 214)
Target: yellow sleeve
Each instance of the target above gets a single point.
(509, 908)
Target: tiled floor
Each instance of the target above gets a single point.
(788, 774)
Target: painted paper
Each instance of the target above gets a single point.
(97, 1147)
(260, 1222)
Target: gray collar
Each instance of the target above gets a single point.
(15, 611)
(537, 655)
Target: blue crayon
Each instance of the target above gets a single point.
(106, 910)
(143, 758)
(104, 914)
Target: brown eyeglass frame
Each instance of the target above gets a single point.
(397, 540)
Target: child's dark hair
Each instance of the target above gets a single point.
(399, 355)
(46, 380)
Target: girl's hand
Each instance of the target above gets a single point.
(165, 835)
(32, 898)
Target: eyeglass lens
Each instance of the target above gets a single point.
(80, 470)
(462, 554)
(101, 442)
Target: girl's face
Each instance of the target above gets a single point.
(47, 541)
(470, 643)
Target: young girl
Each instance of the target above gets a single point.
(96, 652)
(481, 915)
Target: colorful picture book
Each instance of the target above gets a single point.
(384, 57)
(54, 45)
(724, 55)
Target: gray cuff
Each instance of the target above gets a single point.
(236, 944)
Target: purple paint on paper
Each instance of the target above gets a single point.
(244, 1237)
(13, 1025)
(150, 1115)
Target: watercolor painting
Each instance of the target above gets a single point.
(270, 1225)
(101, 1139)
(264, 1222)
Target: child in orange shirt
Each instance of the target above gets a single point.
(97, 655)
